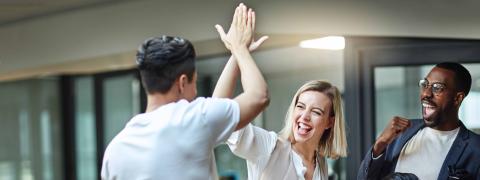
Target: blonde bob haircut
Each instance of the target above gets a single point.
(333, 143)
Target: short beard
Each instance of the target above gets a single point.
(442, 116)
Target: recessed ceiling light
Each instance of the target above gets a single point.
(329, 43)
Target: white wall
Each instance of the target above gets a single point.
(120, 27)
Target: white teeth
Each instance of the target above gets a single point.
(303, 126)
(427, 105)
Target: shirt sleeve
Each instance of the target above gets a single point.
(252, 143)
(222, 117)
(104, 171)
(375, 158)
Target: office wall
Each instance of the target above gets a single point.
(119, 27)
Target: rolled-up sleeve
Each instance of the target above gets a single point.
(252, 143)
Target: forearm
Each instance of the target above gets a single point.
(227, 80)
(252, 79)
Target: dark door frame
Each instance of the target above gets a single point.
(67, 109)
(363, 54)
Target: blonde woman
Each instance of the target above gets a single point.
(314, 130)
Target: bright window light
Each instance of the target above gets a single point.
(329, 42)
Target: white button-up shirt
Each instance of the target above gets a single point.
(271, 157)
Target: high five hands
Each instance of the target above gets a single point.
(241, 32)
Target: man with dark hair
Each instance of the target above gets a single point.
(400, 176)
(162, 59)
(437, 147)
(175, 137)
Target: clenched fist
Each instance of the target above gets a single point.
(394, 128)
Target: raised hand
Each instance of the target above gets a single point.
(394, 128)
(240, 34)
(238, 40)
(227, 80)
(255, 44)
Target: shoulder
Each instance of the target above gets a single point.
(472, 150)
(281, 142)
(471, 141)
(202, 106)
(474, 139)
(205, 103)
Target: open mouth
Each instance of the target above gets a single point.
(303, 129)
(428, 109)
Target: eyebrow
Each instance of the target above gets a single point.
(430, 82)
(320, 109)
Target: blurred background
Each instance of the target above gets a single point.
(68, 81)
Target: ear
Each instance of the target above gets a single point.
(182, 82)
(459, 98)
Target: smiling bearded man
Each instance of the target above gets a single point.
(437, 147)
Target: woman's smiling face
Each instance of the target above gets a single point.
(311, 117)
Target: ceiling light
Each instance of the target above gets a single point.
(329, 42)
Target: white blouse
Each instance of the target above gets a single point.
(271, 157)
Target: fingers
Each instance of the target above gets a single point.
(399, 124)
(241, 30)
(399, 129)
(243, 15)
(401, 121)
(254, 45)
(236, 15)
(239, 17)
(221, 32)
(262, 39)
(253, 20)
(394, 128)
(249, 19)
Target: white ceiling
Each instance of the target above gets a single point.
(12, 11)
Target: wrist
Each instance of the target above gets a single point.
(236, 50)
(379, 148)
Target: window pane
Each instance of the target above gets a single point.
(85, 132)
(30, 136)
(469, 108)
(396, 94)
(121, 95)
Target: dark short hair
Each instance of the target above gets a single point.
(161, 60)
(463, 79)
(400, 176)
